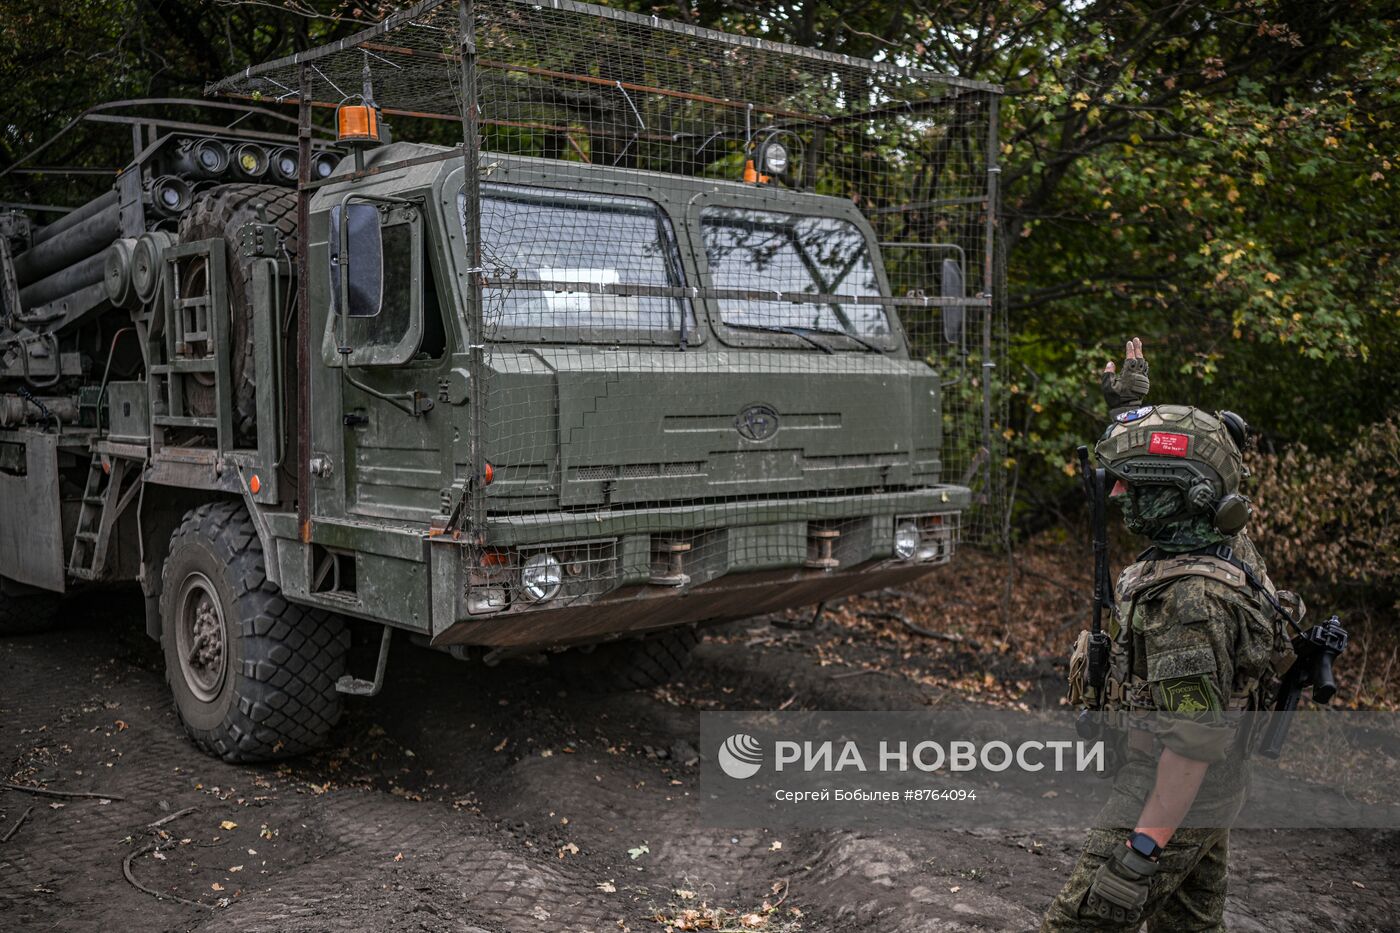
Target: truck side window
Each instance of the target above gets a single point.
(390, 325)
(395, 334)
(434, 330)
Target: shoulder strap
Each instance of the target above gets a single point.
(1221, 552)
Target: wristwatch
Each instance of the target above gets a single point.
(1144, 845)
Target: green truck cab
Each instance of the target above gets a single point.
(508, 404)
(664, 460)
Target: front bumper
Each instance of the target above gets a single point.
(631, 571)
(638, 609)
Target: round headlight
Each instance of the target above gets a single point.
(541, 578)
(906, 540)
(775, 158)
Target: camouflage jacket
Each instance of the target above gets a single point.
(1195, 638)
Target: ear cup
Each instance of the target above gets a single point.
(1232, 514)
(1237, 426)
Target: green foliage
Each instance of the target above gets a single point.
(57, 59)
(1216, 176)
(1229, 195)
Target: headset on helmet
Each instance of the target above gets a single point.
(1186, 447)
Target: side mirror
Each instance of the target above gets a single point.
(951, 286)
(356, 260)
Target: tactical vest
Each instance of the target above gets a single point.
(1124, 689)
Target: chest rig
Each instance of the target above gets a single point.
(1127, 688)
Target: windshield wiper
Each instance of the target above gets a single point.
(845, 333)
(781, 329)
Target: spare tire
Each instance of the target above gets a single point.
(221, 212)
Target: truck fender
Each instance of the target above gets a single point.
(160, 509)
(269, 545)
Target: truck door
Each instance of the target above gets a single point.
(386, 340)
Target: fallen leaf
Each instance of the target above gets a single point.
(753, 921)
(607, 887)
(638, 852)
(228, 824)
(775, 846)
(216, 886)
(955, 889)
(685, 895)
(121, 726)
(1049, 795)
(158, 854)
(1359, 885)
(568, 848)
(502, 747)
(235, 868)
(57, 806)
(399, 857)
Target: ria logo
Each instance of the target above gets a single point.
(740, 756)
(757, 423)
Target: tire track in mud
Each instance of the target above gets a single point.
(531, 798)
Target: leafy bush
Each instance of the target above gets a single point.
(1332, 522)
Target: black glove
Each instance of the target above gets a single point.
(1120, 887)
(1125, 391)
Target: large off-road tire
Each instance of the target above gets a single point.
(21, 615)
(221, 212)
(630, 664)
(253, 675)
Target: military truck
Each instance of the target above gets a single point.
(530, 403)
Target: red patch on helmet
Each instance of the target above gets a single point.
(1171, 445)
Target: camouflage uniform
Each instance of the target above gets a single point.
(1193, 637)
(1195, 644)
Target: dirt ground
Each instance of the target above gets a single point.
(466, 798)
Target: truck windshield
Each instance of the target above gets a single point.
(767, 251)
(537, 242)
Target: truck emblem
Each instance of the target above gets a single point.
(757, 423)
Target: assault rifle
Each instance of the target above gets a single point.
(1096, 669)
(1315, 649)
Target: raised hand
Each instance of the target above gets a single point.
(1125, 391)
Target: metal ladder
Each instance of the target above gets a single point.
(101, 505)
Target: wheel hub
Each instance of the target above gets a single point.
(201, 637)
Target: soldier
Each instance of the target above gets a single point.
(1196, 634)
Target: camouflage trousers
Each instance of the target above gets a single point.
(1187, 893)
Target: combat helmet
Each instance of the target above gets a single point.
(1186, 447)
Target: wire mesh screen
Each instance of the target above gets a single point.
(726, 307)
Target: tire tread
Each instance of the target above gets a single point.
(221, 212)
(285, 701)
